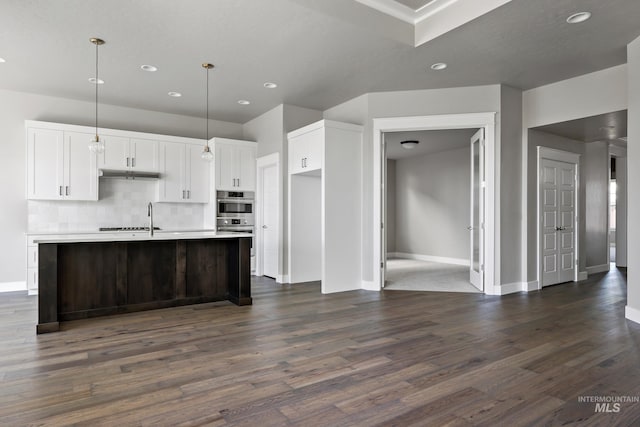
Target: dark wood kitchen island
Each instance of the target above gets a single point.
(103, 274)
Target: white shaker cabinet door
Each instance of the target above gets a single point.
(172, 163)
(80, 171)
(225, 167)
(116, 153)
(144, 155)
(197, 175)
(246, 168)
(45, 154)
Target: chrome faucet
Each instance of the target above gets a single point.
(150, 215)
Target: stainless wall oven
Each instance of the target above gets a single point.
(235, 204)
(235, 213)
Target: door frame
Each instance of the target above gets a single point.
(261, 164)
(491, 246)
(567, 157)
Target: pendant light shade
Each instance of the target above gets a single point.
(207, 155)
(96, 145)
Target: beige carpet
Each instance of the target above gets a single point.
(412, 275)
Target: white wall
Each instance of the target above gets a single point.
(270, 131)
(510, 154)
(596, 170)
(16, 107)
(592, 94)
(633, 176)
(433, 204)
(362, 110)
(583, 96)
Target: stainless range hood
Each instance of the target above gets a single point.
(127, 174)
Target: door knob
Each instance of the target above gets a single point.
(264, 226)
(469, 228)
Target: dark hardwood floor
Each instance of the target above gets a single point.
(297, 357)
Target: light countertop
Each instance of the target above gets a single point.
(126, 236)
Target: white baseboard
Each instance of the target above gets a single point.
(13, 286)
(582, 275)
(282, 278)
(598, 268)
(511, 288)
(632, 314)
(431, 258)
(369, 286)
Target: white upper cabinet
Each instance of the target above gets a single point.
(185, 176)
(44, 169)
(80, 172)
(197, 175)
(305, 152)
(60, 166)
(121, 153)
(235, 162)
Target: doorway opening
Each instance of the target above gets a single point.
(482, 184)
(430, 240)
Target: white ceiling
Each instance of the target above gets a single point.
(320, 52)
(430, 142)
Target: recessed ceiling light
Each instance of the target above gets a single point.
(270, 85)
(578, 17)
(149, 68)
(2, 60)
(439, 66)
(174, 94)
(244, 102)
(96, 81)
(607, 128)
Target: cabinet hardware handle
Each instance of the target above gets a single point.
(188, 194)
(238, 182)
(66, 190)
(61, 190)
(133, 162)
(127, 162)
(183, 194)
(34, 256)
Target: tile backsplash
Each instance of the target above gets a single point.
(121, 203)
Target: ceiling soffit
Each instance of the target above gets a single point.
(433, 18)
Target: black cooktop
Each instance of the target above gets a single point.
(127, 228)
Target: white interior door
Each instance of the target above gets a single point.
(270, 231)
(476, 227)
(557, 199)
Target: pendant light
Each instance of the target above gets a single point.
(207, 155)
(96, 145)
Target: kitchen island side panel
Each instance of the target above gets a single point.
(90, 279)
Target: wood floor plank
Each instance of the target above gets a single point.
(297, 357)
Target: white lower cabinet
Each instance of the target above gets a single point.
(185, 176)
(32, 266)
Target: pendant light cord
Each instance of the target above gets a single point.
(97, 84)
(207, 92)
